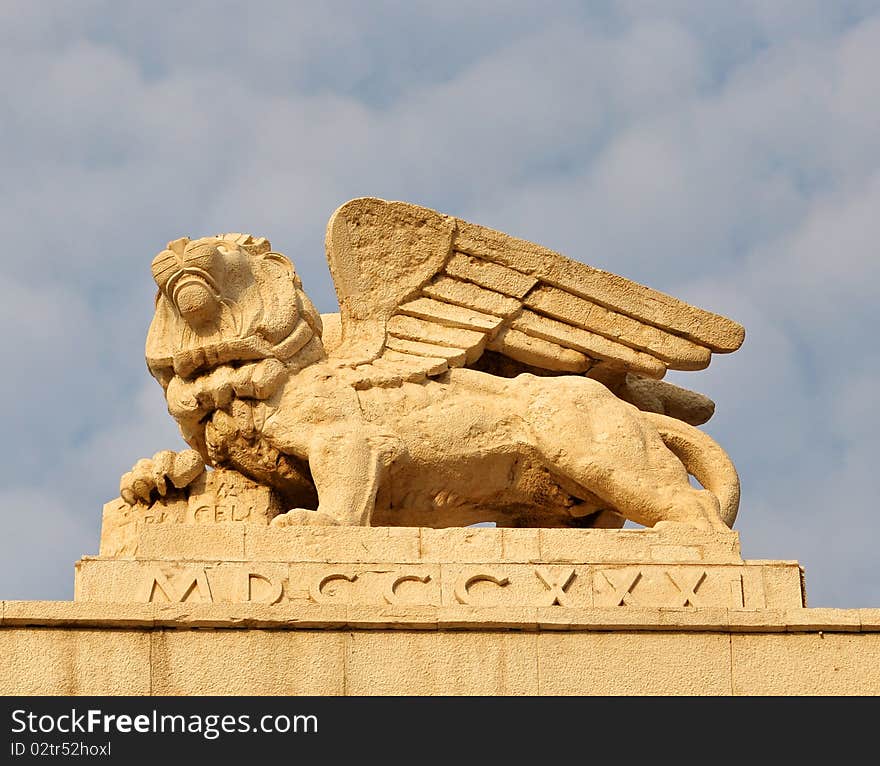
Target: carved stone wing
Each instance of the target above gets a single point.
(420, 292)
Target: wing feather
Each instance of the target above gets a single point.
(411, 328)
(471, 296)
(615, 292)
(430, 365)
(595, 346)
(451, 315)
(490, 275)
(538, 352)
(453, 356)
(679, 353)
(421, 293)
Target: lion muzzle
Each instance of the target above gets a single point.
(195, 299)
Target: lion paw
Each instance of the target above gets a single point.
(300, 517)
(180, 468)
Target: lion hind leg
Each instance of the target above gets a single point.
(646, 496)
(605, 446)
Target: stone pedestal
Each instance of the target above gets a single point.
(243, 608)
(216, 496)
(551, 570)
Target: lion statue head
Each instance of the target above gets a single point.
(228, 299)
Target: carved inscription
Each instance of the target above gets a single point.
(556, 585)
(737, 593)
(572, 587)
(316, 588)
(258, 588)
(687, 586)
(394, 580)
(184, 587)
(668, 587)
(229, 496)
(462, 587)
(622, 583)
(210, 585)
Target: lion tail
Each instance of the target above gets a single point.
(704, 460)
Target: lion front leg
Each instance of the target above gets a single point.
(347, 465)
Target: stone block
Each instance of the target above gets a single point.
(71, 614)
(197, 542)
(390, 617)
(111, 580)
(869, 619)
(670, 545)
(637, 663)
(809, 664)
(333, 544)
(783, 584)
(837, 620)
(248, 662)
(462, 545)
(758, 621)
(569, 545)
(521, 545)
(42, 661)
(441, 663)
(464, 617)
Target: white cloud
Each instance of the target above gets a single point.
(43, 536)
(727, 154)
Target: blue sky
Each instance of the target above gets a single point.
(728, 154)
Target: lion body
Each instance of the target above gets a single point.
(262, 396)
(470, 447)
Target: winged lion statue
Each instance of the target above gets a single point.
(468, 376)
